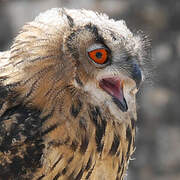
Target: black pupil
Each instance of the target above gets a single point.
(99, 55)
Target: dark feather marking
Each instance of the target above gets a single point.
(128, 133)
(37, 74)
(71, 176)
(89, 163)
(72, 90)
(55, 94)
(49, 129)
(17, 163)
(33, 86)
(85, 139)
(84, 144)
(83, 123)
(90, 172)
(57, 176)
(19, 44)
(28, 119)
(129, 139)
(42, 57)
(18, 49)
(70, 20)
(3, 92)
(48, 116)
(35, 59)
(80, 174)
(3, 78)
(70, 159)
(59, 159)
(57, 143)
(78, 81)
(121, 174)
(93, 28)
(51, 92)
(74, 145)
(122, 160)
(133, 123)
(100, 126)
(64, 171)
(118, 153)
(115, 145)
(41, 177)
(113, 36)
(75, 108)
(27, 124)
(32, 89)
(73, 50)
(119, 169)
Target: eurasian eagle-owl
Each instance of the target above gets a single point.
(67, 97)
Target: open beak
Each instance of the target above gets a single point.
(114, 87)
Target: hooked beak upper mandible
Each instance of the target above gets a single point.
(137, 74)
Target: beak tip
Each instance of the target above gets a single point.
(121, 104)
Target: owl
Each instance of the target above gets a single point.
(68, 89)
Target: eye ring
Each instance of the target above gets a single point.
(99, 56)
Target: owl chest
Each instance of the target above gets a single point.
(90, 158)
(91, 165)
(89, 147)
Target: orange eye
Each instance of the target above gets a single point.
(99, 56)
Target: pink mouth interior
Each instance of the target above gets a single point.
(114, 87)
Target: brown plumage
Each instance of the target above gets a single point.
(67, 97)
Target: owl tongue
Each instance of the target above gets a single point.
(114, 87)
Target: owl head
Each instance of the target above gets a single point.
(96, 56)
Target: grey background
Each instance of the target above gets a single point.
(157, 156)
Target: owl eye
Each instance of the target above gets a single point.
(99, 56)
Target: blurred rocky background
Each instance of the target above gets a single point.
(157, 156)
